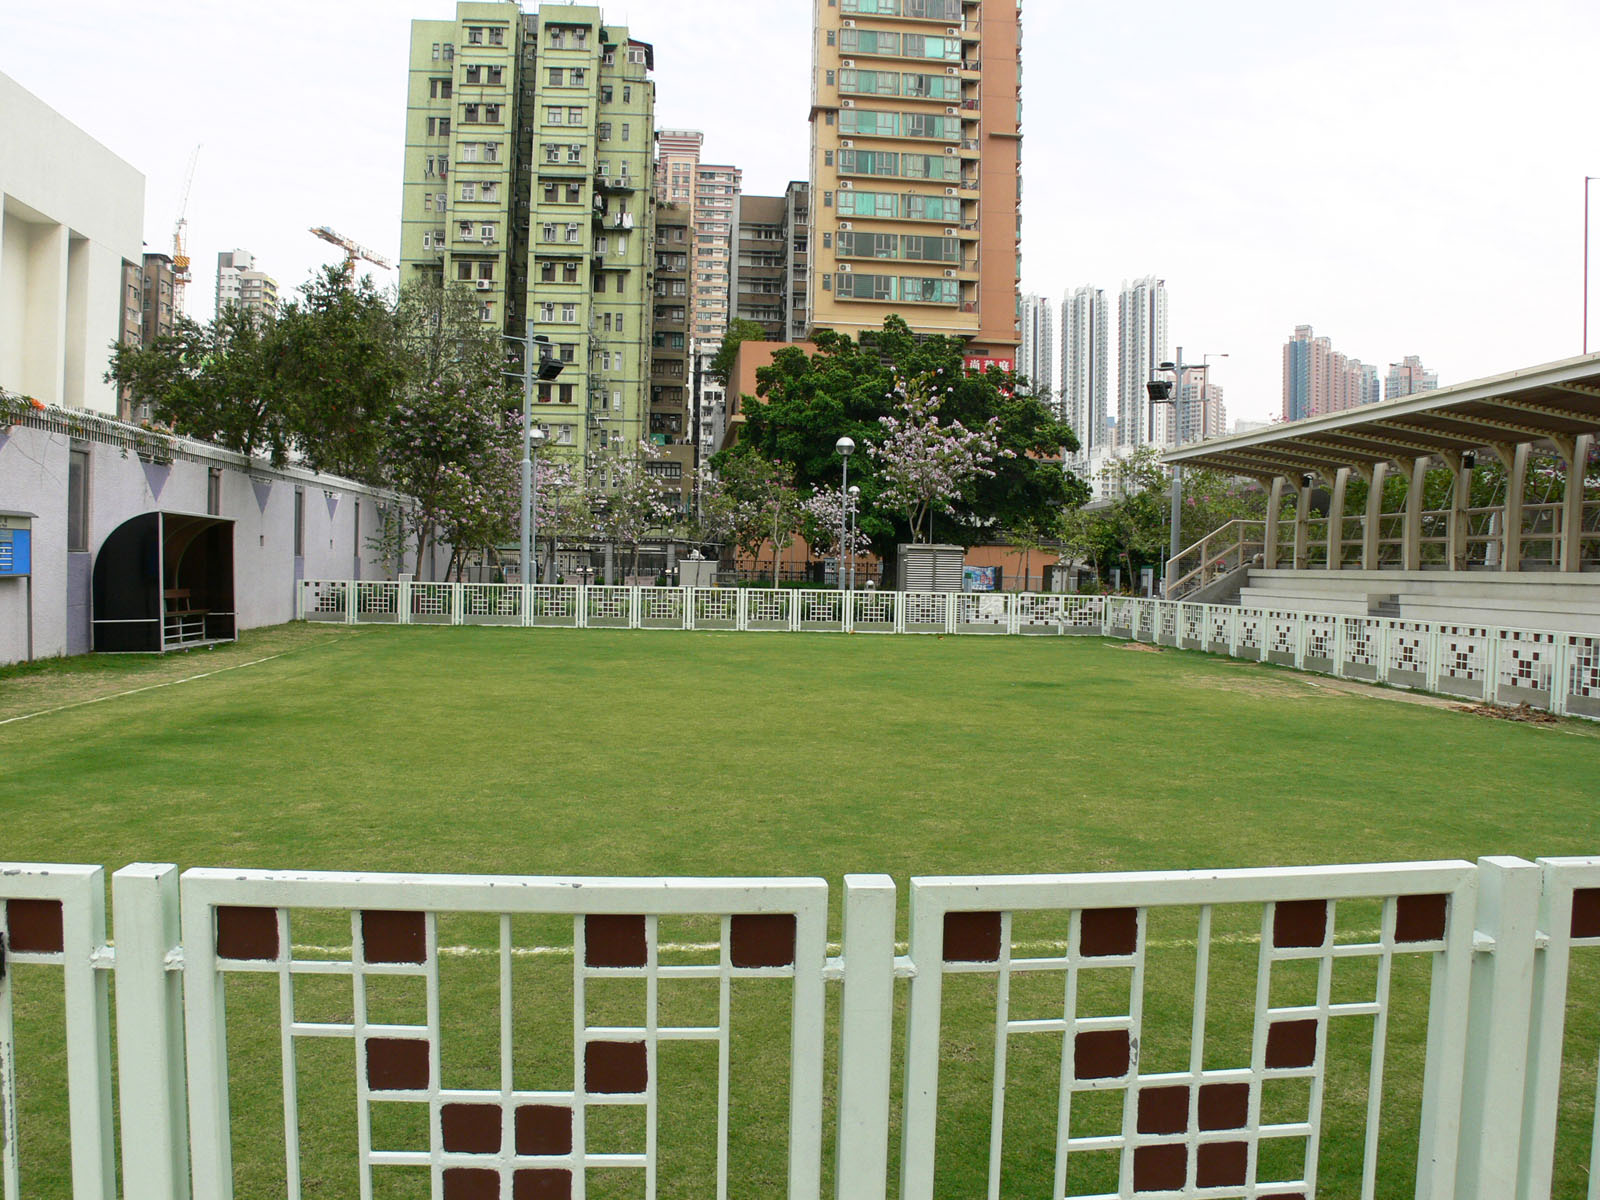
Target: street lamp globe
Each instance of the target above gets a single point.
(537, 437)
(845, 446)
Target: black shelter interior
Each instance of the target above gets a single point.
(164, 581)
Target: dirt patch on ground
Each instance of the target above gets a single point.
(1141, 647)
(1523, 713)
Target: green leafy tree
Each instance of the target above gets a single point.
(772, 509)
(844, 389)
(739, 332)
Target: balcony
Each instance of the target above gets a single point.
(622, 184)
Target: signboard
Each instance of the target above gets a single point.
(977, 579)
(16, 545)
(978, 362)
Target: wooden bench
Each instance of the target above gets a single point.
(180, 622)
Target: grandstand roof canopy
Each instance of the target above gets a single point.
(1551, 403)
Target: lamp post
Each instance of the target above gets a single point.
(1587, 180)
(547, 368)
(845, 447)
(851, 497)
(1164, 392)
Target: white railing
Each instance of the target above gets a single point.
(1545, 669)
(1231, 1033)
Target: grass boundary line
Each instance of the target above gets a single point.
(150, 687)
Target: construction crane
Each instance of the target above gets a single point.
(180, 255)
(352, 250)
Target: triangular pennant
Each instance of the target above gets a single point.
(155, 474)
(333, 502)
(263, 488)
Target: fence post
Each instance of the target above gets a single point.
(1499, 1016)
(866, 1026)
(150, 1068)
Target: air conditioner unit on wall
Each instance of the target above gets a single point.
(950, 110)
(952, 70)
(847, 104)
(950, 150)
(952, 32)
(846, 186)
(846, 144)
(849, 24)
(950, 191)
(847, 62)
(845, 268)
(949, 232)
(486, 285)
(949, 274)
(846, 226)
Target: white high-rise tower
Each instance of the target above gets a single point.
(1085, 367)
(1141, 347)
(1036, 359)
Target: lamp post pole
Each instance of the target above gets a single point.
(850, 499)
(1587, 180)
(845, 447)
(1177, 470)
(527, 449)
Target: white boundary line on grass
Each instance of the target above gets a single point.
(150, 687)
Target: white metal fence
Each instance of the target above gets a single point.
(1415, 1029)
(1495, 664)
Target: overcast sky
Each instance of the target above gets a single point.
(1405, 175)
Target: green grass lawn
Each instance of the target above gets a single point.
(532, 751)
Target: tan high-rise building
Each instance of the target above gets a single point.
(916, 159)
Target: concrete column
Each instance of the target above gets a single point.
(1515, 459)
(1302, 527)
(1372, 529)
(1336, 519)
(1411, 535)
(1269, 548)
(610, 565)
(1460, 493)
(1576, 452)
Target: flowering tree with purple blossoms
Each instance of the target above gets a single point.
(824, 510)
(926, 466)
(626, 500)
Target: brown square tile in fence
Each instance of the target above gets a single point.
(247, 933)
(1108, 932)
(762, 940)
(544, 1129)
(1225, 1105)
(1291, 1044)
(541, 1184)
(615, 1068)
(471, 1183)
(1299, 924)
(1164, 1109)
(1160, 1168)
(971, 937)
(1420, 918)
(1102, 1054)
(1222, 1164)
(35, 926)
(397, 1064)
(614, 941)
(1586, 913)
(394, 937)
(470, 1128)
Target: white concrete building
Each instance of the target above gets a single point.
(242, 285)
(1141, 347)
(1085, 367)
(1036, 358)
(71, 216)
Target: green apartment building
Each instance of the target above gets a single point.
(528, 177)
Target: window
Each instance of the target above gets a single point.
(497, 37)
(603, 131)
(569, 352)
(463, 269)
(563, 435)
(830, 37)
(469, 114)
(827, 158)
(488, 231)
(491, 152)
(565, 392)
(575, 154)
(549, 192)
(625, 131)
(547, 231)
(605, 93)
(427, 201)
(544, 393)
(299, 522)
(475, 35)
(627, 94)
(547, 272)
(449, 51)
(577, 116)
(547, 311)
(557, 76)
(436, 52)
(439, 204)
(469, 151)
(485, 270)
(578, 76)
(569, 313)
(439, 89)
(474, 74)
(78, 500)
(495, 75)
(574, 193)
(552, 115)
(569, 272)
(469, 191)
(552, 152)
(491, 113)
(599, 284)
(489, 191)
(572, 231)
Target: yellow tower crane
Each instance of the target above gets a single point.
(352, 250)
(180, 228)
